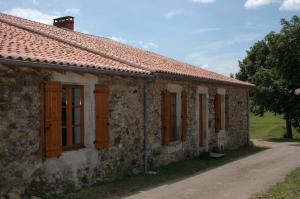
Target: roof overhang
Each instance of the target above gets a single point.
(98, 71)
(200, 79)
(30, 64)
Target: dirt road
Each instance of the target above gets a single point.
(237, 180)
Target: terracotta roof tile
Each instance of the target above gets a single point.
(51, 43)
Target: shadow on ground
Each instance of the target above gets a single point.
(282, 140)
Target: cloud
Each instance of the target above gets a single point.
(236, 40)
(203, 30)
(35, 2)
(251, 4)
(145, 45)
(72, 11)
(138, 43)
(32, 14)
(174, 13)
(290, 5)
(39, 16)
(224, 63)
(204, 1)
(118, 39)
(218, 55)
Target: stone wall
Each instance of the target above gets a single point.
(238, 128)
(124, 156)
(177, 150)
(21, 163)
(236, 135)
(20, 118)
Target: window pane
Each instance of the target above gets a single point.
(76, 116)
(76, 97)
(64, 136)
(76, 135)
(64, 117)
(64, 97)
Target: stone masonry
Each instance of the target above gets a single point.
(22, 168)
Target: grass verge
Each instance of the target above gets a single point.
(269, 127)
(288, 189)
(166, 174)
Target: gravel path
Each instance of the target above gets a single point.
(236, 180)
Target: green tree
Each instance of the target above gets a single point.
(273, 65)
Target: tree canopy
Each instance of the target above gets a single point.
(273, 65)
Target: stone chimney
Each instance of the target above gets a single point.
(64, 22)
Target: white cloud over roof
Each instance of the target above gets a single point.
(290, 5)
(258, 3)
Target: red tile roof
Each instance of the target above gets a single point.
(28, 40)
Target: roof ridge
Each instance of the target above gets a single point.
(71, 43)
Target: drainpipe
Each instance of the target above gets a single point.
(146, 142)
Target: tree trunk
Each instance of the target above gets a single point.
(289, 133)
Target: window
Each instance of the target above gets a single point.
(226, 112)
(201, 119)
(72, 116)
(218, 116)
(184, 115)
(170, 117)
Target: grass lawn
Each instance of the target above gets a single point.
(288, 189)
(167, 174)
(269, 127)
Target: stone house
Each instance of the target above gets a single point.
(76, 108)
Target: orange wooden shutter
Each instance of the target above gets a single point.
(217, 113)
(166, 117)
(101, 103)
(52, 118)
(184, 115)
(226, 112)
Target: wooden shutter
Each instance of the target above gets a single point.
(226, 112)
(52, 119)
(201, 120)
(217, 113)
(166, 117)
(101, 106)
(184, 115)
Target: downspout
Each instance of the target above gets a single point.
(146, 141)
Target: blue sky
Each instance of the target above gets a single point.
(213, 34)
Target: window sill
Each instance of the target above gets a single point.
(174, 146)
(174, 143)
(73, 148)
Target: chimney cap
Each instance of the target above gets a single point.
(66, 22)
(65, 18)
